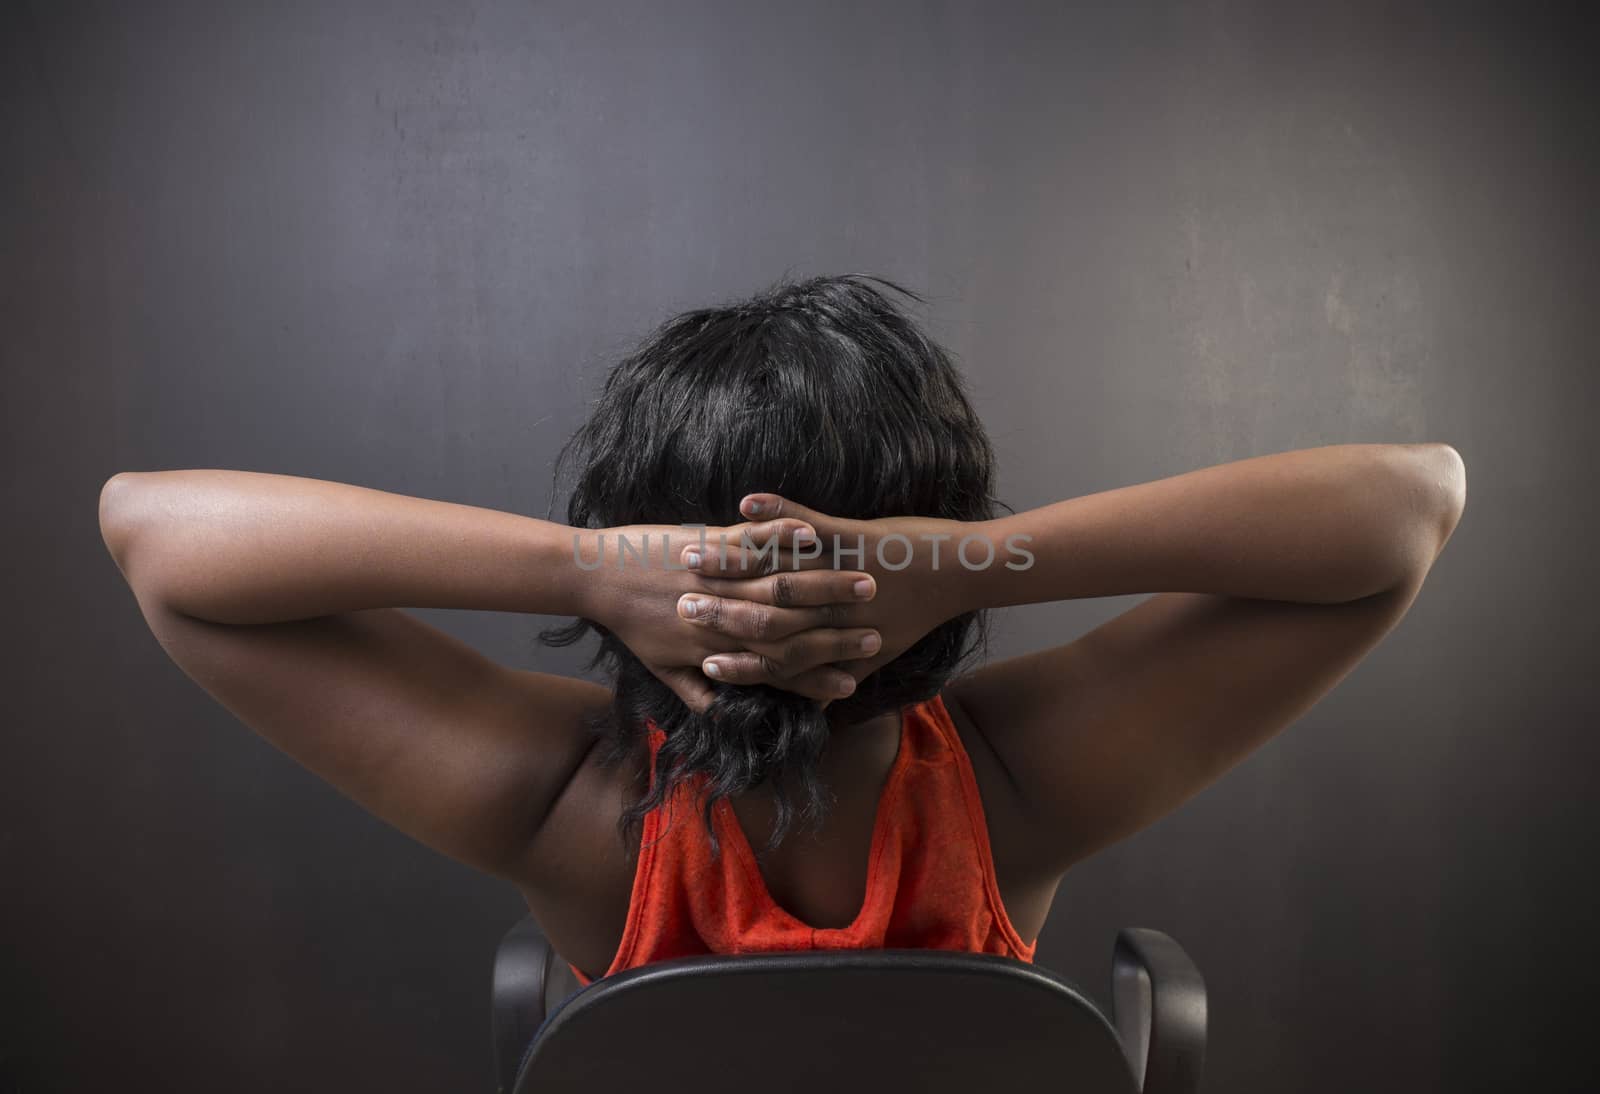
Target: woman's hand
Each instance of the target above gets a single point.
(788, 628)
(911, 599)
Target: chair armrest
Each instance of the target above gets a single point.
(521, 967)
(1159, 1010)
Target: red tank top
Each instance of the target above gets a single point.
(930, 879)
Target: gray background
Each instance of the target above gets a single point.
(398, 245)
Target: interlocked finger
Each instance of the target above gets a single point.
(728, 559)
(753, 621)
(805, 589)
(781, 664)
(750, 549)
(824, 682)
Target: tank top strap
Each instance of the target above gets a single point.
(937, 717)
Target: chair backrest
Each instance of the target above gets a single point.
(835, 1021)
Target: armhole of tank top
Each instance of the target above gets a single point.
(980, 826)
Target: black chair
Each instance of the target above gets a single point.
(884, 1021)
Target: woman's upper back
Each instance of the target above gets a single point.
(903, 859)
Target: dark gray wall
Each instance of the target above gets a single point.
(397, 244)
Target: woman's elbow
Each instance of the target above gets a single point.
(119, 515)
(1446, 475)
(1437, 494)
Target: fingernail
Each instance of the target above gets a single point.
(804, 535)
(691, 558)
(752, 507)
(870, 643)
(846, 686)
(863, 588)
(712, 669)
(690, 606)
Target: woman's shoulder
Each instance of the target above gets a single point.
(581, 874)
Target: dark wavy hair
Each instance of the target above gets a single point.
(823, 391)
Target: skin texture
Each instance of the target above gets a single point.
(1269, 580)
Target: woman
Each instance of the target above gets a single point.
(799, 658)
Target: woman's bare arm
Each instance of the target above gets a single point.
(281, 597)
(245, 547)
(1315, 526)
(1273, 576)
